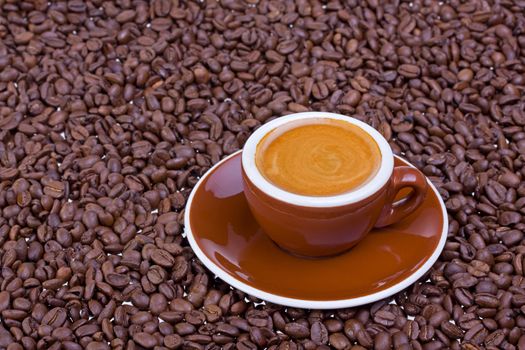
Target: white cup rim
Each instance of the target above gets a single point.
(371, 187)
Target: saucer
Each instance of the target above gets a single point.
(227, 239)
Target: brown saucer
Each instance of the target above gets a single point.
(226, 238)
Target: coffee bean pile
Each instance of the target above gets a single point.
(110, 112)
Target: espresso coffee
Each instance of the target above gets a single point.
(326, 158)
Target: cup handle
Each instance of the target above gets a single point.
(402, 177)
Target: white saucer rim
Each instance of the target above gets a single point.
(303, 303)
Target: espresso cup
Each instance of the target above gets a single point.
(319, 226)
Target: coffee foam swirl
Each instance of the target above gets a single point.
(326, 158)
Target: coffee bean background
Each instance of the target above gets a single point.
(111, 111)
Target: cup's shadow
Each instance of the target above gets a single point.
(300, 256)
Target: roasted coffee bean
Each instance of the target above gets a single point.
(409, 70)
(162, 258)
(382, 341)
(385, 318)
(339, 341)
(297, 330)
(55, 317)
(173, 341)
(146, 340)
(451, 330)
(319, 333)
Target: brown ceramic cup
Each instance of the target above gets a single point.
(314, 226)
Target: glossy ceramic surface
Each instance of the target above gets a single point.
(228, 240)
(328, 231)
